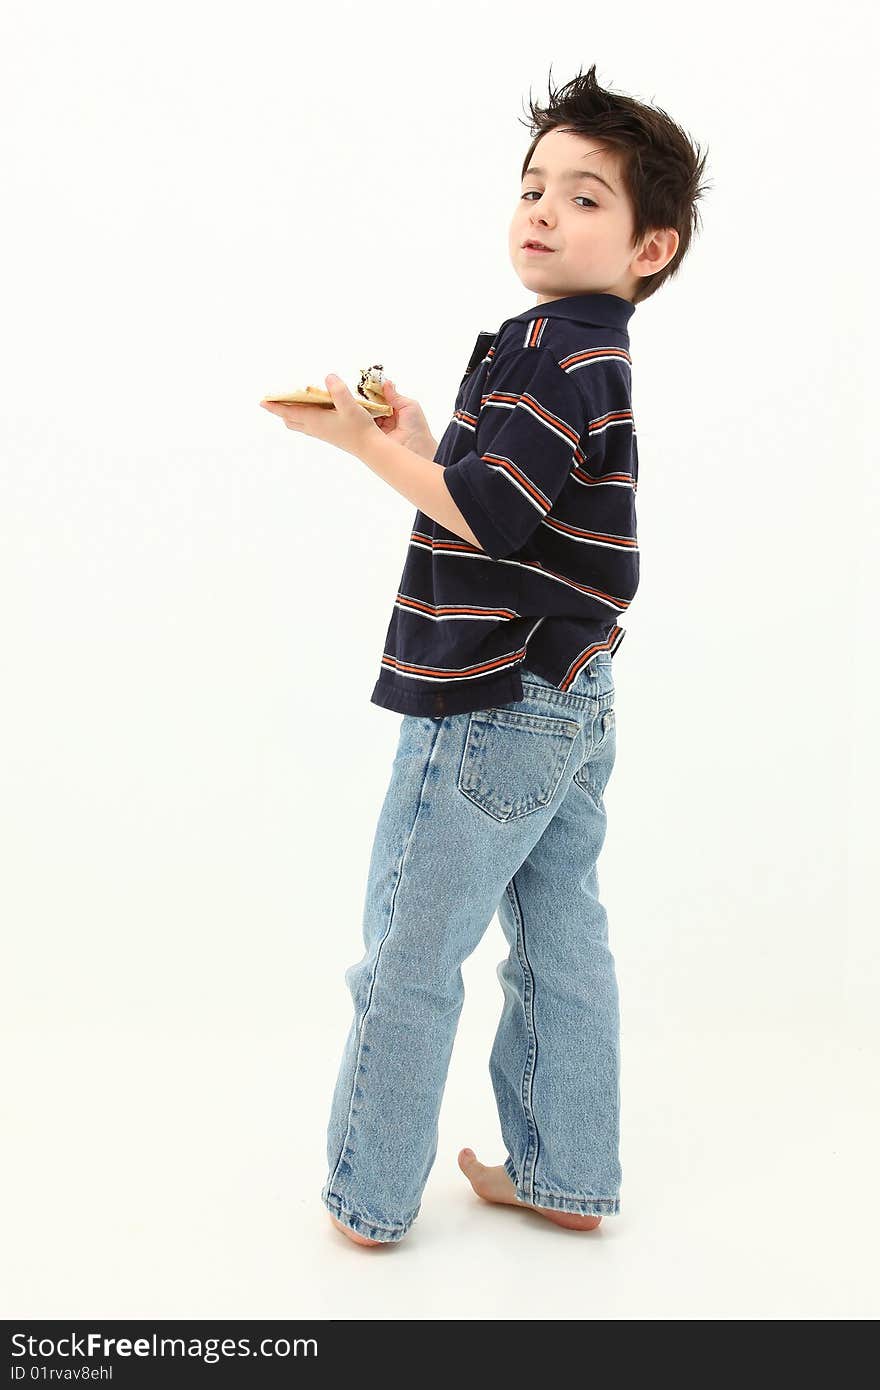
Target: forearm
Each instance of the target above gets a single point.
(420, 481)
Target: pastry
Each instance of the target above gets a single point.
(369, 392)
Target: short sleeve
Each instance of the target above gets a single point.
(531, 420)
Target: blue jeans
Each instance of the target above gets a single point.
(496, 810)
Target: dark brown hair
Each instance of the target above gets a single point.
(660, 167)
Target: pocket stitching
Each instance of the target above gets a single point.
(609, 721)
(481, 793)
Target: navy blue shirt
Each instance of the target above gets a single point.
(540, 458)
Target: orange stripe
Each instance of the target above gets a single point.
(612, 415)
(625, 542)
(606, 477)
(422, 606)
(590, 353)
(620, 603)
(541, 410)
(498, 664)
(580, 662)
(507, 467)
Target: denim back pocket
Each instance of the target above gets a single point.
(513, 761)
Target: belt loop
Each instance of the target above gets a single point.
(587, 677)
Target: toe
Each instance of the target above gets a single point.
(468, 1162)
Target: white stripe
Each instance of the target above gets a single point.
(511, 660)
(607, 426)
(526, 405)
(595, 361)
(539, 574)
(591, 540)
(514, 482)
(602, 482)
(457, 617)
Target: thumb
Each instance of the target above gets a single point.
(342, 397)
(393, 396)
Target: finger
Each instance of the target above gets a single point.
(339, 392)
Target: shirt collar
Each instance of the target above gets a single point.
(604, 310)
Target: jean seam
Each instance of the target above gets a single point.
(357, 1060)
(532, 1054)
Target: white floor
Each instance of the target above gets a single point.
(177, 1177)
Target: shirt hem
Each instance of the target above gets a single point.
(446, 699)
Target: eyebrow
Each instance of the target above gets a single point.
(573, 174)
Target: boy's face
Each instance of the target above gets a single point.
(588, 225)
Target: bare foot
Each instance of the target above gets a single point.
(355, 1235)
(494, 1185)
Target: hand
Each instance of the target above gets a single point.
(407, 425)
(350, 427)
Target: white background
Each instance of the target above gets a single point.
(204, 203)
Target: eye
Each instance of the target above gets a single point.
(580, 195)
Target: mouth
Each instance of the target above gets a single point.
(537, 248)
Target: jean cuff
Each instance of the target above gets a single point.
(559, 1201)
(365, 1225)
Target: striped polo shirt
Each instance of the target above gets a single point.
(540, 458)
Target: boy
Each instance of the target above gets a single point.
(498, 656)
